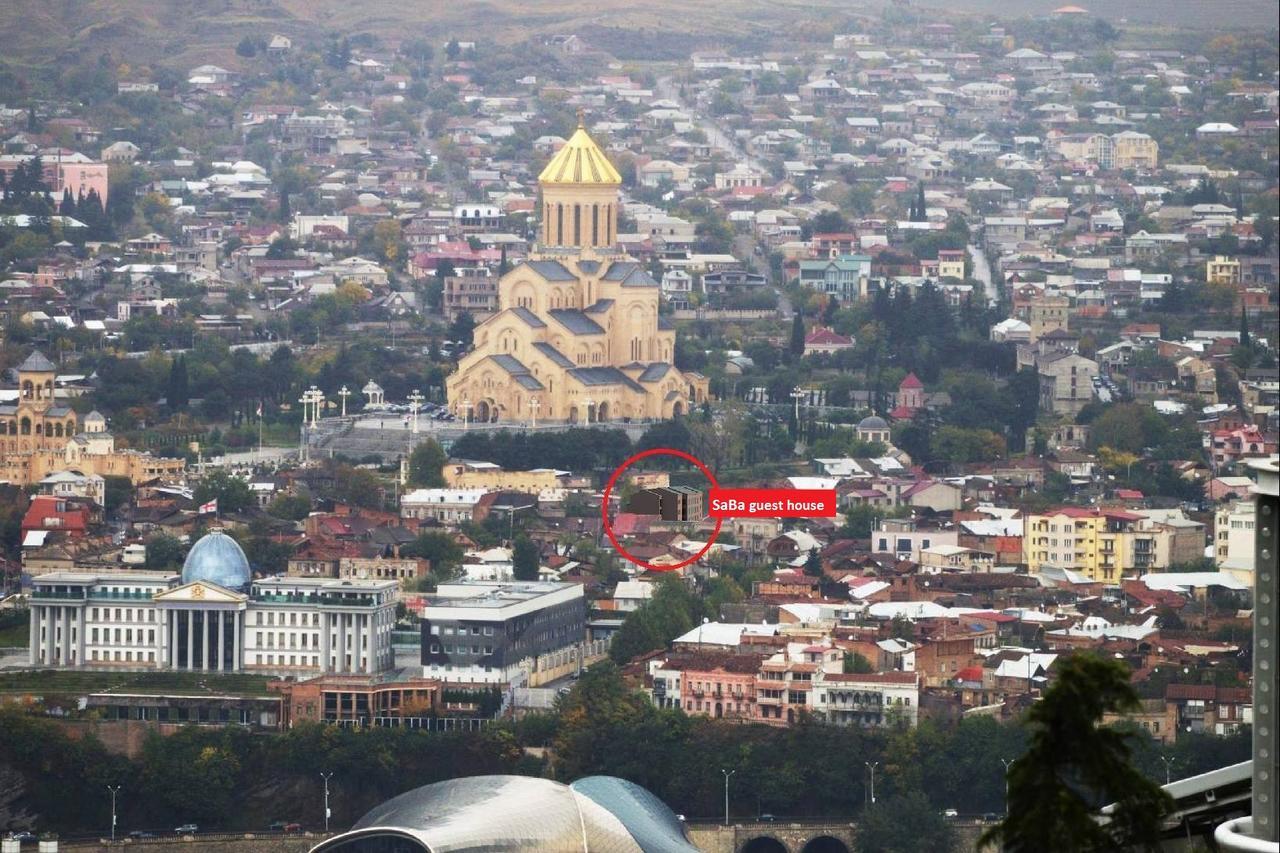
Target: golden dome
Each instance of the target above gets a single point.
(580, 161)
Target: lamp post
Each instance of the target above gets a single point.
(466, 412)
(797, 394)
(727, 774)
(872, 765)
(534, 405)
(588, 402)
(326, 777)
(415, 404)
(344, 393)
(114, 789)
(1168, 769)
(1007, 762)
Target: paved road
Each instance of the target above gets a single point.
(982, 272)
(716, 136)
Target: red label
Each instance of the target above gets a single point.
(772, 503)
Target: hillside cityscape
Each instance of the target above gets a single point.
(804, 430)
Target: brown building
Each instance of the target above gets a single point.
(357, 700)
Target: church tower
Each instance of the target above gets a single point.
(580, 195)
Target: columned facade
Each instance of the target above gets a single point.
(206, 639)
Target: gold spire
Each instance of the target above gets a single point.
(580, 161)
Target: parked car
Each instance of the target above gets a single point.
(187, 829)
(293, 827)
(950, 813)
(141, 833)
(23, 837)
(277, 826)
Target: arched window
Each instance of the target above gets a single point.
(39, 429)
(559, 241)
(57, 430)
(577, 225)
(595, 225)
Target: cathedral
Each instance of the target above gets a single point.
(577, 337)
(40, 435)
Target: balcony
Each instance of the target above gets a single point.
(108, 595)
(769, 700)
(40, 594)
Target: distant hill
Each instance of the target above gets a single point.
(49, 32)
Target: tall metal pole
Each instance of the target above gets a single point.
(727, 774)
(1007, 764)
(1266, 797)
(326, 777)
(872, 765)
(1168, 765)
(114, 790)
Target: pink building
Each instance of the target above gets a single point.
(1232, 445)
(62, 171)
(708, 684)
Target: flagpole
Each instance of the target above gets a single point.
(259, 430)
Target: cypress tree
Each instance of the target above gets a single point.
(68, 204)
(1245, 339)
(797, 334)
(285, 214)
(919, 211)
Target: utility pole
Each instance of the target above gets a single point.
(326, 777)
(727, 774)
(114, 789)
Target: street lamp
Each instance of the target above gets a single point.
(114, 789)
(1007, 762)
(326, 777)
(534, 405)
(727, 774)
(1168, 769)
(872, 765)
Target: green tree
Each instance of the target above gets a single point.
(436, 547)
(797, 334)
(904, 823)
(426, 465)
(163, 552)
(856, 663)
(813, 564)
(525, 559)
(231, 492)
(290, 507)
(177, 389)
(1074, 766)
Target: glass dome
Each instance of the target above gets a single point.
(217, 558)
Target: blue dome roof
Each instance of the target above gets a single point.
(217, 558)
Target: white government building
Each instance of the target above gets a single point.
(212, 618)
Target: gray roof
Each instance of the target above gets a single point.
(665, 323)
(528, 316)
(575, 321)
(36, 362)
(619, 270)
(557, 357)
(654, 372)
(551, 270)
(604, 376)
(58, 411)
(518, 371)
(639, 278)
(600, 306)
(873, 422)
(589, 267)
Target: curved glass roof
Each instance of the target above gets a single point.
(509, 813)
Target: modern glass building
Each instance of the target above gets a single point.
(600, 814)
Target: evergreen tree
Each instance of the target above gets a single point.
(797, 334)
(919, 213)
(33, 123)
(829, 310)
(68, 205)
(813, 564)
(453, 50)
(285, 213)
(177, 391)
(426, 465)
(1074, 766)
(1246, 340)
(524, 559)
(503, 265)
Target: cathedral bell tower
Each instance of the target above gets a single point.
(580, 195)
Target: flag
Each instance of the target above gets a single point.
(210, 507)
